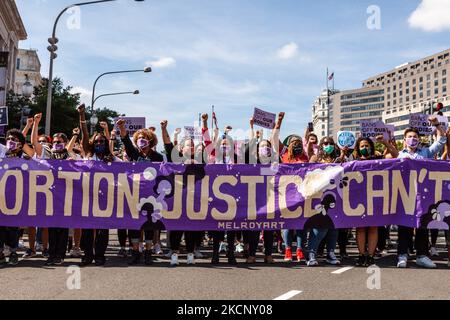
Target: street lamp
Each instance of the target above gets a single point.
(53, 48)
(145, 70)
(27, 88)
(93, 122)
(135, 92)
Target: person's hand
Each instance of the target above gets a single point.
(76, 131)
(433, 120)
(37, 118)
(380, 138)
(344, 151)
(120, 123)
(281, 116)
(177, 131)
(252, 122)
(30, 122)
(113, 134)
(81, 108)
(104, 125)
(205, 117)
(164, 124)
(214, 116)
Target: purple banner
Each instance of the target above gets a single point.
(86, 194)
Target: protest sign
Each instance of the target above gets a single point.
(372, 129)
(132, 124)
(264, 119)
(192, 132)
(346, 139)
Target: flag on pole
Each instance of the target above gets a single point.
(331, 77)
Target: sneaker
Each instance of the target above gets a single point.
(433, 252)
(38, 247)
(49, 262)
(75, 253)
(148, 260)
(269, 260)
(13, 259)
(288, 255)
(157, 249)
(402, 261)
(100, 262)
(312, 260)
(198, 254)
(239, 248)
(425, 262)
(370, 261)
(45, 253)
(141, 247)
(122, 253)
(135, 258)
(29, 254)
(58, 262)
(6, 251)
(21, 244)
(85, 262)
(168, 254)
(331, 259)
(362, 261)
(174, 260)
(300, 255)
(251, 260)
(223, 247)
(2, 259)
(190, 259)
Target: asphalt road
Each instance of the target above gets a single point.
(29, 280)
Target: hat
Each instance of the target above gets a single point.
(288, 140)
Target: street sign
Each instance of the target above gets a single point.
(3, 116)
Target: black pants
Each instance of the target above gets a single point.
(434, 236)
(57, 242)
(95, 240)
(219, 236)
(122, 234)
(254, 241)
(405, 236)
(191, 238)
(9, 236)
(343, 240)
(136, 234)
(382, 238)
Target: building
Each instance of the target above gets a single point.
(391, 96)
(323, 113)
(28, 67)
(12, 31)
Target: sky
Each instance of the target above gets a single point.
(233, 54)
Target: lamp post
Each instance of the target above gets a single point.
(53, 48)
(93, 121)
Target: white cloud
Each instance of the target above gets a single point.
(431, 16)
(84, 93)
(288, 51)
(164, 62)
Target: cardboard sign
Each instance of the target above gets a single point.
(132, 124)
(3, 116)
(346, 139)
(193, 133)
(421, 123)
(264, 119)
(372, 129)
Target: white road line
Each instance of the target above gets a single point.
(342, 270)
(288, 295)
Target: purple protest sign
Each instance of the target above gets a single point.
(97, 195)
(132, 124)
(264, 119)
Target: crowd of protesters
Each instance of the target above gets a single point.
(90, 245)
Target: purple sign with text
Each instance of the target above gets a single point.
(86, 194)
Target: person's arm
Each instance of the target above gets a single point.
(313, 159)
(275, 137)
(165, 134)
(175, 136)
(85, 134)
(441, 140)
(73, 140)
(112, 141)
(34, 134)
(130, 149)
(28, 126)
(447, 146)
(104, 126)
(389, 147)
(252, 130)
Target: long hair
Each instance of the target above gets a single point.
(321, 155)
(290, 151)
(149, 135)
(90, 152)
(371, 144)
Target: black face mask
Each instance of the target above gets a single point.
(297, 151)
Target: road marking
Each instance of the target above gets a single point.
(288, 295)
(342, 270)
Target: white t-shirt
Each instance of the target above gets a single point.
(3, 151)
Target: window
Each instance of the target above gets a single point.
(407, 99)
(389, 89)
(400, 86)
(407, 91)
(388, 96)
(428, 93)
(436, 74)
(436, 91)
(428, 77)
(421, 95)
(444, 72)
(428, 85)
(444, 81)
(323, 133)
(407, 83)
(414, 97)
(18, 64)
(421, 79)
(444, 89)
(323, 126)
(436, 83)
(414, 82)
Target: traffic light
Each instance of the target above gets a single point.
(439, 106)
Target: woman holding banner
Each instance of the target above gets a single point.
(365, 150)
(145, 142)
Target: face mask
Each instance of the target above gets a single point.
(328, 149)
(58, 146)
(265, 152)
(143, 143)
(99, 149)
(298, 150)
(12, 145)
(412, 142)
(365, 152)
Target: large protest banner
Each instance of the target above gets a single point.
(85, 194)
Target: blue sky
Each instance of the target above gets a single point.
(233, 54)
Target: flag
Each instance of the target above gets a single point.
(331, 77)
